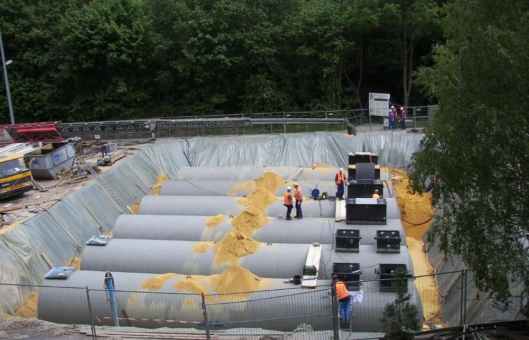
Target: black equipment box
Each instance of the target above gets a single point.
(347, 241)
(364, 188)
(388, 241)
(365, 211)
(363, 157)
(363, 171)
(387, 273)
(344, 273)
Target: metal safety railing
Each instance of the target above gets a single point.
(446, 300)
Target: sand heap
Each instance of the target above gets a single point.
(214, 221)
(160, 178)
(235, 281)
(156, 282)
(234, 246)
(237, 244)
(248, 221)
(29, 309)
(201, 247)
(245, 186)
(416, 209)
(75, 262)
(135, 208)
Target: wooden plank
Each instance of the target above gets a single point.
(47, 259)
(338, 211)
(313, 260)
(343, 210)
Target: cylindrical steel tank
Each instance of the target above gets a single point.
(213, 205)
(275, 302)
(320, 173)
(277, 260)
(194, 228)
(181, 187)
(209, 187)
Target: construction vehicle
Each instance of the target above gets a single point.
(110, 154)
(15, 175)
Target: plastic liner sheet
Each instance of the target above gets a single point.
(455, 286)
(57, 234)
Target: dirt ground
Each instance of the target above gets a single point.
(34, 202)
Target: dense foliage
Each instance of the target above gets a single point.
(79, 60)
(478, 146)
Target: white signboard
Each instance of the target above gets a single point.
(379, 104)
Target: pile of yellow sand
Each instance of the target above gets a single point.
(214, 221)
(269, 181)
(156, 282)
(135, 208)
(160, 178)
(29, 309)
(417, 209)
(193, 285)
(247, 186)
(234, 246)
(235, 279)
(75, 262)
(201, 247)
(249, 220)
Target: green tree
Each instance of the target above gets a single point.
(478, 145)
(102, 54)
(319, 51)
(406, 22)
(400, 318)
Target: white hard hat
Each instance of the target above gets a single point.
(402, 108)
(341, 169)
(289, 188)
(392, 106)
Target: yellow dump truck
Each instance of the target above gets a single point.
(15, 176)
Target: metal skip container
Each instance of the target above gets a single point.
(46, 162)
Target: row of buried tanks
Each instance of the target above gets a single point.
(364, 250)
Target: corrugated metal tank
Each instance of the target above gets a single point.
(193, 228)
(237, 188)
(213, 205)
(277, 260)
(275, 302)
(249, 174)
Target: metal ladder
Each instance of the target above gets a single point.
(81, 161)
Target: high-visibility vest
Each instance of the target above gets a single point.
(340, 177)
(376, 196)
(298, 195)
(287, 198)
(341, 291)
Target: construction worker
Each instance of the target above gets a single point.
(344, 298)
(375, 194)
(340, 182)
(403, 116)
(298, 195)
(288, 202)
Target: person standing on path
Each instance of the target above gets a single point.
(343, 297)
(391, 120)
(403, 116)
(340, 182)
(288, 202)
(298, 195)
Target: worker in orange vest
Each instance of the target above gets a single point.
(375, 194)
(340, 182)
(298, 195)
(287, 202)
(344, 298)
